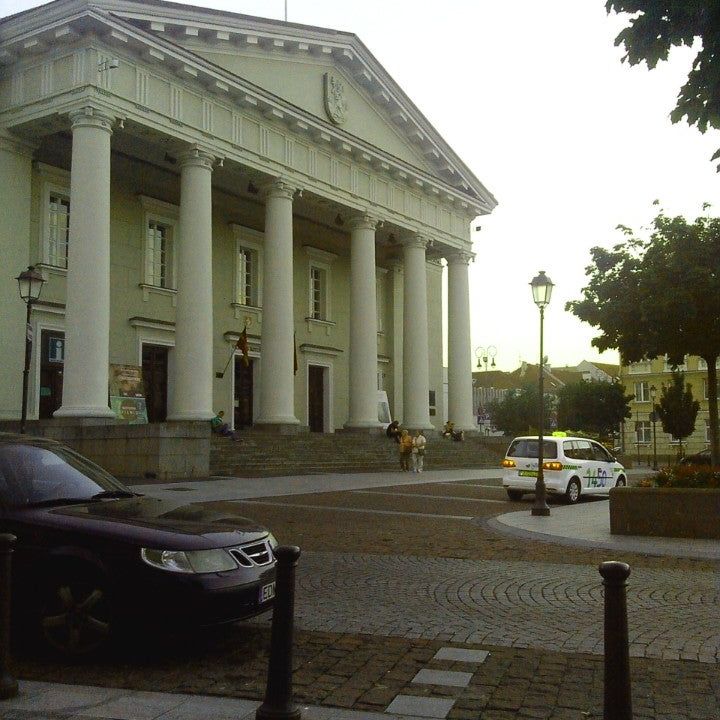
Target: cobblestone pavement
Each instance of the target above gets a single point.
(550, 606)
(386, 579)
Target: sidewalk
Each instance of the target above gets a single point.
(40, 700)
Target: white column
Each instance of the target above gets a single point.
(416, 374)
(277, 380)
(193, 381)
(87, 311)
(363, 325)
(460, 405)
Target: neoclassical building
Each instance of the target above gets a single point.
(180, 174)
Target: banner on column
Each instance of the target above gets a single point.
(127, 395)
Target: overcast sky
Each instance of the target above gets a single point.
(533, 97)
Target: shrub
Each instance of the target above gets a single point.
(687, 476)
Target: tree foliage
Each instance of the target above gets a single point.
(593, 407)
(677, 408)
(517, 412)
(659, 296)
(658, 25)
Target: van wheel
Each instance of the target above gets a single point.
(515, 494)
(621, 482)
(572, 494)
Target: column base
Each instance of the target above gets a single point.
(280, 428)
(84, 411)
(363, 428)
(181, 416)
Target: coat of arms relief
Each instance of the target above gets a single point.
(335, 103)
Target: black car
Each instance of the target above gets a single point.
(701, 458)
(93, 557)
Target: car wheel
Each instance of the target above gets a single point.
(515, 494)
(572, 494)
(621, 482)
(75, 617)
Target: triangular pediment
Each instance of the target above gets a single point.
(302, 82)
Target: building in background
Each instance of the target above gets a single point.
(639, 379)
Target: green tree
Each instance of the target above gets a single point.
(660, 296)
(517, 412)
(655, 26)
(594, 407)
(677, 408)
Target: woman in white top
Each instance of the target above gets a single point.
(418, 452)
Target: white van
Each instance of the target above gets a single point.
(572, 466)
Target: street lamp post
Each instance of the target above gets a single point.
(30, 284)
(541, 290)
(653, 418)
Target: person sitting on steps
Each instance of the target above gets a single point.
(219, 427)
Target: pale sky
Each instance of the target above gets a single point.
(533, 97)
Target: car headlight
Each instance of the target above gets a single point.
(189, 561)
(272, 541)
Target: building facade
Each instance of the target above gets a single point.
(639, 380)
(183, 177)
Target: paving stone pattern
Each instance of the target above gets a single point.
(673, 615)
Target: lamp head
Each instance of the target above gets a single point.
(30, 284)
(541, 286)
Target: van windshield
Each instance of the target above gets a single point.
(528, 448)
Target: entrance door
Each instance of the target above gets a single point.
(52, 357)
(155, 377)
(243, 393)
(316, 398)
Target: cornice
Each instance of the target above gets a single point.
(33, 31)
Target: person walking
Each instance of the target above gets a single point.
(418, 451)
(406, 447)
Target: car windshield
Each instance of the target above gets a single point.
(34, 475)
(528, 448)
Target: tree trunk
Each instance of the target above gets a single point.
(713, 408)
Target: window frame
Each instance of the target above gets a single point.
(646, 426)
(55, 181)
(320, 260)
(166, 215)
(645, 394)
(251, 241)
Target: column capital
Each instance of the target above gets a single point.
(196, 157)
(363, 221)
(280, 188)
(91, 116)
(459, 257)
(416, 240)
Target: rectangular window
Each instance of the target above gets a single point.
(643, 431)
(159, 255)
(247, 276)
(58, 232)
(380, 301)
(642, 392)
(318, 293)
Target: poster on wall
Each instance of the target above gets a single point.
(127, 395)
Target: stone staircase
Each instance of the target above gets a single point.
(262, 454)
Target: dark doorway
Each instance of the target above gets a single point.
(155, 377)
(52, 359)
(243, 393)
(316, 398)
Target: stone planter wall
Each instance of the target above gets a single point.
(665, 512)
(161, 451)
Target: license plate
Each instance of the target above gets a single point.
(267, 592)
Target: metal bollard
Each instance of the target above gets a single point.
(278, 704)
(617, 704)
(8, 684)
